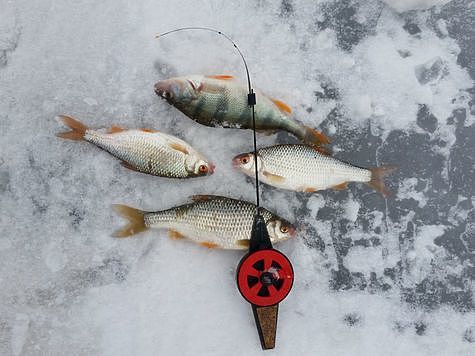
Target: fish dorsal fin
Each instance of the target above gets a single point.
(200, 197)
(178, 147)
(282, 106)
(274, 178)
(149, 130)
(221, 77)
(115, 129)
(323, 150)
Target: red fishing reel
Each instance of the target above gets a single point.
(265, 277)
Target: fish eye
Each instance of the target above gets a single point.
(203, 169)
(168, 95)
(284, 229)
(244, 160)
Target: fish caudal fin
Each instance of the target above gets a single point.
(78, 129)
(377, 179)
(314, 137)
(136, 220)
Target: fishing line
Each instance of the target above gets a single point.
(251, 96)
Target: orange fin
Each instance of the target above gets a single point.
(322, 150)
(149, 130)
(209, 244)
(341, 186)
(78, 129)
(136, 220)
(314, 137)
(178, 147)
(274, 178)
(282, 106)
(175, 235)
(221, 77)
(310, 190)
(243, 243)
(200, 197)
(115, 129)
(129, 166)
(377, 179)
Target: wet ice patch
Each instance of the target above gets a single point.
(424, 251)
(406, 5)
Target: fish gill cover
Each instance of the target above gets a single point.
(389, 82)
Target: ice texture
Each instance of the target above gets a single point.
(374, 276)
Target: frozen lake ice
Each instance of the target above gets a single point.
(390, 82)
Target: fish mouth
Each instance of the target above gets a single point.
(211, 168)
(161, 89)
(292, 231)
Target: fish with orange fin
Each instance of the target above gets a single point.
(304, 168)
(147, 151)
(211, 221)
(221, 101)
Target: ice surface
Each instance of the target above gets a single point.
(406, 5)
(373, 276)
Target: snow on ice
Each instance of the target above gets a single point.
(373, 276)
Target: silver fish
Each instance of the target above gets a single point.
(144, 150)
(212, 221)
(220, 101)
(304, 168)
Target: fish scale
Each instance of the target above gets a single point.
(303, 168)
(215, 220)
(141, 149)
(220, 101)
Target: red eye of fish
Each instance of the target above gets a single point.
(284, 229)
(244, 160)
(203, 169)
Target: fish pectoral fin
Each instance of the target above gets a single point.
(209, 244)
(309, 190)
(178, 147)
(341, 186)
(115, 129)
(175, 235)
(282, 106)
(243, 243)
(149, 130)
(129, 166)
(199, 197)
(274, 178)
(221, 77)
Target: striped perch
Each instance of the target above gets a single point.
(219, 101)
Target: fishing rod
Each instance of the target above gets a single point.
(251, 96)
(264, 275)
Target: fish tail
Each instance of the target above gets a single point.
(136, 220)
(314, 137)
(377, 179)
(78, 129)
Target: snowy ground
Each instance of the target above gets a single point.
(373, 276)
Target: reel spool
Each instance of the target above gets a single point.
(265, 277)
